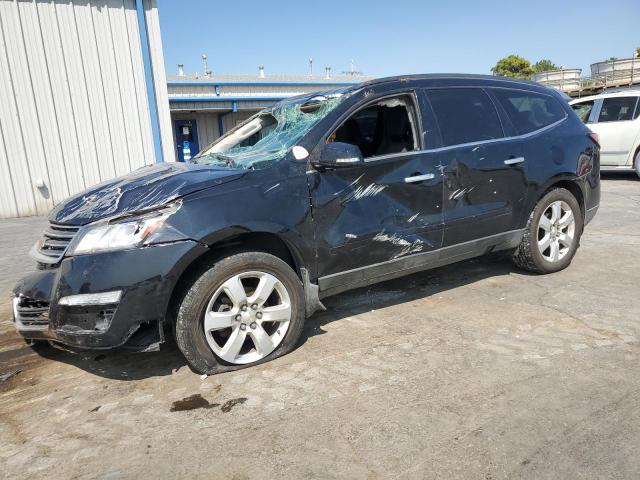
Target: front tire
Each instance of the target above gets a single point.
(636, 163)
(242, 310)
(552, 234)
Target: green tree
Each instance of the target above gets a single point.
(638, 52)
(545, 65)
(513, 66)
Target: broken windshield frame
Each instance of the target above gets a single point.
(267, 137)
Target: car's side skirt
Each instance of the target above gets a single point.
(399, 267)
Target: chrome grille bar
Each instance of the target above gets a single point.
(56, 238)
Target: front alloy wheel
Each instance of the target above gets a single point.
(237, 310)
(247, 317)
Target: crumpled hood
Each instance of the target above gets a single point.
(143, 189)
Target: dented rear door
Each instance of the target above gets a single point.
(483, 195)
(483, 170)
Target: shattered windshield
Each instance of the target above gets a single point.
(267, 137)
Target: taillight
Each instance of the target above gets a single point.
(595, 137)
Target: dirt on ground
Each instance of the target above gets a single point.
(475, 370)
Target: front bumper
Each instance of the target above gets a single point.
(145, 276)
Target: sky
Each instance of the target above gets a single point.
(393, 37)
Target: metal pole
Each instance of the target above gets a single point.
(149, 81)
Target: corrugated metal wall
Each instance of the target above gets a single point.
(232, 119)
(73, 99)
(222, 106)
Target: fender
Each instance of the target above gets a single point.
(290, 238)
(311, 290)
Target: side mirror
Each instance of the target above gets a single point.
(338, 154)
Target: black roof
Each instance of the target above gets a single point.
(434, 80)
(449, 76)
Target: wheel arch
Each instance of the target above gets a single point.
(228, 244)
(260, 241)
(636, 156)
(570, 183)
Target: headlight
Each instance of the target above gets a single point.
(122, 234)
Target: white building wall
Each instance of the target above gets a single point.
(208, 128)
(74, 109)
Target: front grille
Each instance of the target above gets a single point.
(31, 313)
(56, 239)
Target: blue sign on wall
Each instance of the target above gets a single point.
(186, 139)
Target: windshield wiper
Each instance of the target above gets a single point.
(225, 158)
(229, 162)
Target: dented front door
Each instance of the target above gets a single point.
(382, 210)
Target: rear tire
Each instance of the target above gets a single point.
(552, 235)
(241, 310)
(636, 163)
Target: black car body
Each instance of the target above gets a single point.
(456, 178)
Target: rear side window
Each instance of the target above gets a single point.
(465, 115)
(583, 110)
(617, 109)
(529, 111)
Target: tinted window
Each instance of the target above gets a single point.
(529, 111)
(616, 109)
(583, 110)
(465, 115)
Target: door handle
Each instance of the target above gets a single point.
(514, 161)
(419, 178)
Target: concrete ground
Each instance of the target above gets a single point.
(476, 370)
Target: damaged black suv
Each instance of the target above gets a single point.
(317, 195)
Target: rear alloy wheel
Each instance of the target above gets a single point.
(556, 231)
(240, 310)
(636, 162)
(552, 234)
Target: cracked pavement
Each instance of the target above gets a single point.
(475, 370)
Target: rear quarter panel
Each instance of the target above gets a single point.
(635, 149)
(564, 153)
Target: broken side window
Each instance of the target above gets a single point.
(385, 127)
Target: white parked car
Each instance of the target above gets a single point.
(615, 117)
